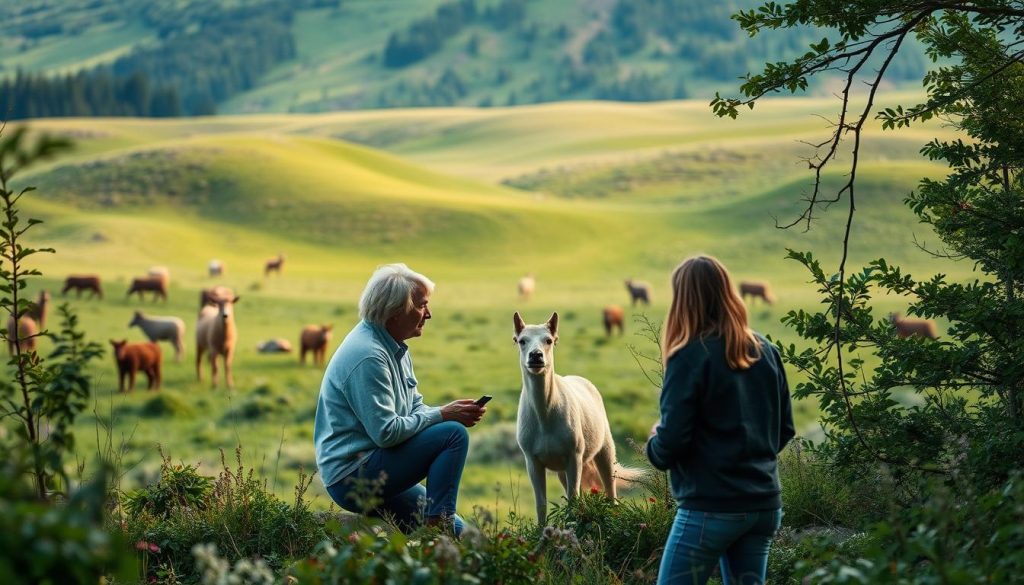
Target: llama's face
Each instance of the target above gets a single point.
(536, 344)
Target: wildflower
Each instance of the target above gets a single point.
(153, 548)
(353, 538)
(643, 526)
(141, 545)
(652, 500)
(593, 490)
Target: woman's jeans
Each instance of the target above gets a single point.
(737, 541)
(437, 453)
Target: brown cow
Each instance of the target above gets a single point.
(613, 316)
(907, 326)
(155, 284)
(274, 265)
(30, 323)
(756, 290)
(314, 338)
(638, 291)
(80, 282)
(132, 357)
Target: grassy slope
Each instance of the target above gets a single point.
(238, 181)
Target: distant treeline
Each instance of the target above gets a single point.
(95, 93)
(217, 53)
(676, 40)
(427, 35)
(207, 54)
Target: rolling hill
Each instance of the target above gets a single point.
(583, 195)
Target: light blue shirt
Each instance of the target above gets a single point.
(368, 400)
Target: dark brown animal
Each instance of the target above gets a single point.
(154, 284)
(756, 290)
(908, 327)
(314, 338)
(132, 357)
(274, 265)
(613, 316)
(638, 291)
(216, 335)
(80, 282)
(29, 324)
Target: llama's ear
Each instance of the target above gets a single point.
(519, 324)
(553, 324)
(236, 300)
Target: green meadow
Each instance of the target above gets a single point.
(582, 195)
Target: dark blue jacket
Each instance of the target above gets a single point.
(722, 429)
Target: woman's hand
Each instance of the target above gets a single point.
(465, 411)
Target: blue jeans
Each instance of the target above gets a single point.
(437, 454)
(738, 541)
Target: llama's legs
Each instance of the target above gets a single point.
(538, 478)
(605, 462)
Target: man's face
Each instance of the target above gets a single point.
(410, 324)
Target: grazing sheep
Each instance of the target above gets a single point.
(613, 316)
(526, 286)
(209, 295)
(154, 284)
(80, 282)
(756, 290)
(162, 328)
(314, 338)
(278, 345)
(29, 324)
(216, 335)
(907, 326)
(638, 291)
(274, 265)
(132, 357)
(215, 268)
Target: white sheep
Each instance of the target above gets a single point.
(170, 329)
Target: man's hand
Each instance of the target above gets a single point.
(654, 429)
(465, 411)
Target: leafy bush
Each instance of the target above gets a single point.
(179, 486)
(48, 543)
(236, 512)
(956, 536)
(817, 494)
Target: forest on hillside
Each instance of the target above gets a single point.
(192, 57)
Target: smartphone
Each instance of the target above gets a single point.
(483, 400)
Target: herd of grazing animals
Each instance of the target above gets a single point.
(215, 329)
(216, 334)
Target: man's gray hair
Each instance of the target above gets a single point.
(389, 292)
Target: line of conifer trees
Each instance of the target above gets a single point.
(93, 93)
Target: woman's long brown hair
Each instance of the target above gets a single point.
(705, 304)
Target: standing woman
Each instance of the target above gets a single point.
(725, 416)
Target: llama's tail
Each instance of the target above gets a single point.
(626, 477)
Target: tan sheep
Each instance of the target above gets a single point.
(216, 335)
